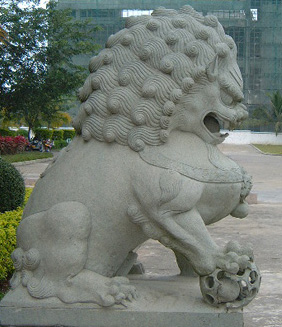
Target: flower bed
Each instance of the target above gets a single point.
(12, 145)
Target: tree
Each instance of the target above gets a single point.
(57, 119)
(3, 35)
(37, 69)
(271, 114)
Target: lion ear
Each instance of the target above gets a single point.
(212, 69)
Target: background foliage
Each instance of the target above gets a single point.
(12, 187)
(37, 68)
(271, 114)
(9, 222)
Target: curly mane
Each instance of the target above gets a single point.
(136, 82)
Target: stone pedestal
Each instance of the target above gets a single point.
(164, 302)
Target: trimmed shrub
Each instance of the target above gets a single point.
(69, 134)
(7, 132)
(59, 144)
(9, 222)
(12, 145)
(58, 134)
(23, 132)
(12, 187)
(43, 134)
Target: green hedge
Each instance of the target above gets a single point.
(7, 132)
(59, 144)
(63, 134)
(9, 222)
(58, 134)
(69, 134)
(43, 134)
(23, 132)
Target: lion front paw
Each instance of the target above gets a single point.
(121, 291)
(235, 257)
(236, 280)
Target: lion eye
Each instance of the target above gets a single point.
(226, 98)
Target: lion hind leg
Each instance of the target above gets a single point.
(51, 257)
(52, 245)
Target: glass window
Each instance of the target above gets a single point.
(238, 34)
(83, 13)
(255, 41)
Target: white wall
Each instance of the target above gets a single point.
(248, 137)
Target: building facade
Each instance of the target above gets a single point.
(255, 25)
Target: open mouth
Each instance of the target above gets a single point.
(214, 124)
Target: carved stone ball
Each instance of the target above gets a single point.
(231, 290)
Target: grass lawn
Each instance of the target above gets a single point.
(26, 156)
(268, 148)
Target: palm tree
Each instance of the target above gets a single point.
(276, 102)
(272, 114)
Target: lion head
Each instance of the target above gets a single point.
(171, 70)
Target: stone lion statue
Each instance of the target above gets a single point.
(144, 164)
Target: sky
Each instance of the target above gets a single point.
(42, 3)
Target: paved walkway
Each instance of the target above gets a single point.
(263, 228)
(265, 169)
(31, 170)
